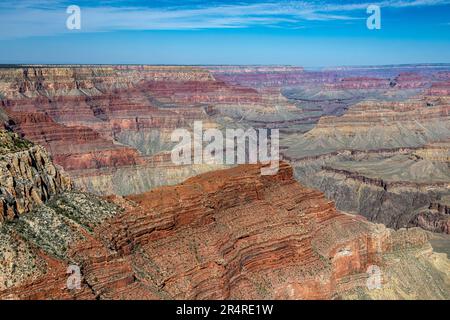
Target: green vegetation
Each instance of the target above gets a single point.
(11, 142)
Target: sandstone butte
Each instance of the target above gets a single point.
(221, 235)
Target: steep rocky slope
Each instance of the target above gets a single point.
(28, 176)
(387, 160)
(224, 234)
(398, 188)
(374, 125)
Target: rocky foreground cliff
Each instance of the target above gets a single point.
(222, 235)
(28, 176)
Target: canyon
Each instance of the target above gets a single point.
(365, 181)
(227, 234)
(387, 160)
(109, 126)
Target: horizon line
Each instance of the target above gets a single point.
(423, 64)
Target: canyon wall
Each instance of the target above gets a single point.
(385, 160)
(28, 176)
(109, 127)
(226, 234)
(108, 122)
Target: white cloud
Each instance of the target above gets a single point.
(47, 17)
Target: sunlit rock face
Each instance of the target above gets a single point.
(28, 176)
(225, 235)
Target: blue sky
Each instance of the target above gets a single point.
(307, 33)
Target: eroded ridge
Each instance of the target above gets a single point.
(224, 234)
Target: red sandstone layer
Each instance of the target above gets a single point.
(79, 113)
(225, 234)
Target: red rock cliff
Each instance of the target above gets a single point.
(230, 234)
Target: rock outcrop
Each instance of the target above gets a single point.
(28, 176)
(226, 235)
(396, 187)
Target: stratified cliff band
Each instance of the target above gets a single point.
(222, 235)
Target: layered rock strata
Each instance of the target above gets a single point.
(396, 187)
(108, 122)
(102, 123)
(109, 106)
(110, 126)
(374, 125)
(28, 176)
(226, 235)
